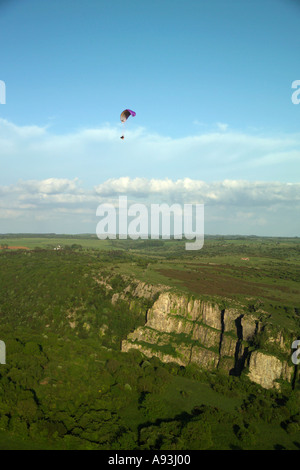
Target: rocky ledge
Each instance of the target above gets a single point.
(183, 330)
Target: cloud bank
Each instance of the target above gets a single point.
(50, 182)
(32, 152)
(231, 206)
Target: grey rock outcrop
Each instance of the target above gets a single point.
(183, 330)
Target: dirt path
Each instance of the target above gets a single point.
(14, 248)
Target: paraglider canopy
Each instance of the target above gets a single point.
(124, 116)
(126, 113)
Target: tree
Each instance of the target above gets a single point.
(196, 435)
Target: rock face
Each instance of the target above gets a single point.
(137, 289)
(185, 331)
(265, 370)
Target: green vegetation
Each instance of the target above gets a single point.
(66, 385)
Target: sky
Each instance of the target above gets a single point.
(210, 82)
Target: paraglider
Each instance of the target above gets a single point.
(124, 116)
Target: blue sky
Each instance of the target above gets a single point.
(210, 81)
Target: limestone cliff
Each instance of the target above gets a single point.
(265, 370)
(183, 330)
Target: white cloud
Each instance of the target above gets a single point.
(243, 179)
(50, 186)
(208, 155)
(231, 206)
(222, 126)
(224, 192)
(21, 132)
